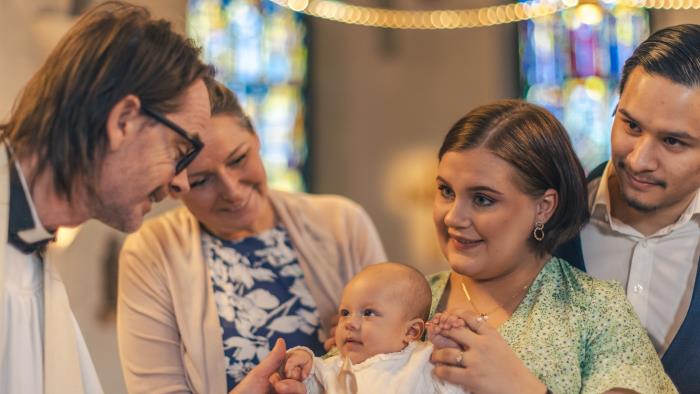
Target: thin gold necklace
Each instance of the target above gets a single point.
(485, 315)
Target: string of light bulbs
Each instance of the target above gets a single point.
(662, 4)
(454, 18)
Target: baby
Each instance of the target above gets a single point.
(382, 317)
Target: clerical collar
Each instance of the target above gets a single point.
(26, 232)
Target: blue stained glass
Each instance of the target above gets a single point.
(571, 64)
(259, 51)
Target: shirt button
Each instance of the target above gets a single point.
(638, 288)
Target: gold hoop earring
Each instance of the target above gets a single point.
(538, 232)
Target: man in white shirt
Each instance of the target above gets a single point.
(645, 206)
(105, 128)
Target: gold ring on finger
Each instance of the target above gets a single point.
(460, 359)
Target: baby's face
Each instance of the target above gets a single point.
(372, 319)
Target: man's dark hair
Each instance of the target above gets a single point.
(533, 141)
(673, 53)
(115, 49)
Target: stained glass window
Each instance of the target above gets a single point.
(571, 64)
(259, 52)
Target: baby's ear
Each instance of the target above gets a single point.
(414, 330)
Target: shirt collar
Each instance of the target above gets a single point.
(24, 220)
(601, 202)
(693, 209)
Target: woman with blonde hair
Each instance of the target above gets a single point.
(207, 289)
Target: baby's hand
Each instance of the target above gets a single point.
(445, 321)
(450, 321)
(298, 364)
(442, 322)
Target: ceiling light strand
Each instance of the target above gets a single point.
(458, 18)
(426, 20)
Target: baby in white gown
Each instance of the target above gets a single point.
(382, 316)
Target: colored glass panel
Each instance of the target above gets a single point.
(571, 63)
(258, 50)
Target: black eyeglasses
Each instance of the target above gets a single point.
(196, 143)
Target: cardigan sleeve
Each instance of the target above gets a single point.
(149, 341)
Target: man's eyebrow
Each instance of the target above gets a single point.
(625, 113)
(677, 134)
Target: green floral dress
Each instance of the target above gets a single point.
(578, 334)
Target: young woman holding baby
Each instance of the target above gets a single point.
(509, 191)
(508, 317)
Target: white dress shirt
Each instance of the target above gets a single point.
(658, 271)
(22, 334)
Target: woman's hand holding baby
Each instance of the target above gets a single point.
(470, 353)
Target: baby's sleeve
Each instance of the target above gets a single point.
(312, 383)
(321, 370)
(313, 386)
(320, 380)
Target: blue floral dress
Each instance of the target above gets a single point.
(260, 296)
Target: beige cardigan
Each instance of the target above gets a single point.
(67, 364)
(168, 325)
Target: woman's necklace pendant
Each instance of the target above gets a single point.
(483, 316)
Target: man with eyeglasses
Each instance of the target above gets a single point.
(103, 130)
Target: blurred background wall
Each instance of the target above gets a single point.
(381, 101)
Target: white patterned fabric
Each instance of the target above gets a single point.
(260, 295)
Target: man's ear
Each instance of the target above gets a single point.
(414, 330)
(124, 118)
(546, 205)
